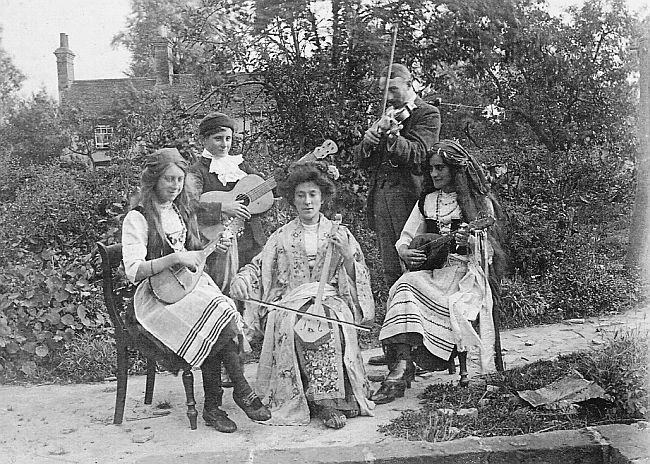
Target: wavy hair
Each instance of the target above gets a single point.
(155, 166)
(315, 172)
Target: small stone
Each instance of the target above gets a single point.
(595, 341)
(141, 437)
(67, 431)
(529, 342)
(519, 443)
(575, 321)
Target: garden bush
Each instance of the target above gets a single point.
(49, 294)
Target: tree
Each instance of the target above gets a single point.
(566, 80)
(638, 252)
(33, 129)
(10, 79)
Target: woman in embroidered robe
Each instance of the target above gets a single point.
(162, 232)
(296, 379)
(429, 311)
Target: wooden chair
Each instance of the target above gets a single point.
(129, 336)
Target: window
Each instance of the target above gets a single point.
(103, 137)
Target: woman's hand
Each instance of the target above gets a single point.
(342, 244)
(462, 235)
(412, 257)
(225, 241)
(236, 209)
(190, 259)
(239, 289)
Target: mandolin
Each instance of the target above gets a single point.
(314, 332)
(255, 192)
(172, 284)
(435, 245)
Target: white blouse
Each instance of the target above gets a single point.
(135, 236)
(438, 205)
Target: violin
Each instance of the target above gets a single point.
(393, 117)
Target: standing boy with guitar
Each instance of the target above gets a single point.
(218, 170)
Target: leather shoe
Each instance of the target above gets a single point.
(397, 381)
(389, 391)
(378, 360)
(253, 407)
(217, 418)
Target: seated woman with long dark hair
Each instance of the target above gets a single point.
(429, 311)
(203, 327)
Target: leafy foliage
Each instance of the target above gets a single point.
(33, 130)
(47, 291)
(10, 79)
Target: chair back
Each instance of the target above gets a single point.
(111, 259)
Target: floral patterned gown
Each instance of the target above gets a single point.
(293, 376)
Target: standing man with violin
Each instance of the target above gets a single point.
(393, 149)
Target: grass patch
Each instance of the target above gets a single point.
(87, 358)
(620, 367)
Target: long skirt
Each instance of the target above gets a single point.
(191, 326)
(419, 303)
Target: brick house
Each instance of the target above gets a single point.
(97, 97)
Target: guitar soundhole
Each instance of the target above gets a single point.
(244, 198)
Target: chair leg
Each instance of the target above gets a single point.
(188, 384)
(452, 362)
(151, 380)
(462, 360)
(498, 355)
(121, 374)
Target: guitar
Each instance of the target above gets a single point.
(314, 332)
(256, 194)
(434, 245)
(173, 283)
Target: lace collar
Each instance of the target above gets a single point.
(225, 167)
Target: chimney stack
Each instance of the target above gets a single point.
(162, 50)
(64, 65)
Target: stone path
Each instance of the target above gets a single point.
(72, 423)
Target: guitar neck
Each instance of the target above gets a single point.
(262, 189)
(210, 247)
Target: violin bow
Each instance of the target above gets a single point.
(390, 69)
(315, 316)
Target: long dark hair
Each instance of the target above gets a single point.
(475, 199)
(155, 166)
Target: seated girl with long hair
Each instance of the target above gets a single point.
(203, 326)
(429, 311)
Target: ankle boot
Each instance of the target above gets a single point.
(396, 383)
(213, 415)
(242, 393)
